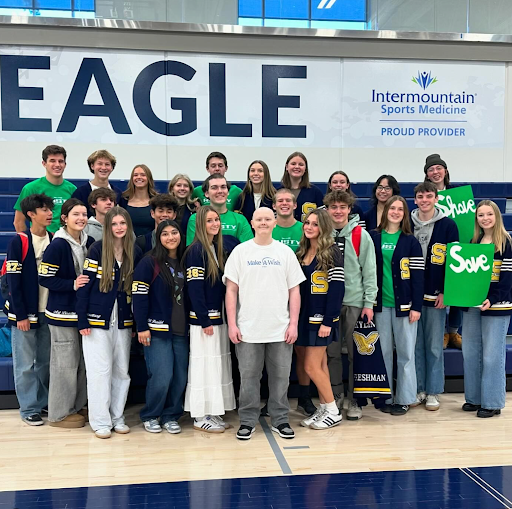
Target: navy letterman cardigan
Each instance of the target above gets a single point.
(500, 290)
(309, 199)
(407, 266)
(248, 208)
(57, 273)
(152, 299)
(145, 242)
(370, 218)
(205, 299)
(186, 213)
(94, 308)
(23, 301)
(322, 294)
(83, 192)
(445, 231)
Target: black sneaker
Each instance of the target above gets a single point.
(485, 412)
(386, 408)
(469, 407)
(284, 430)
(264, 411)
(399, 409)
(245, 432)
(306, 406)
(33, 420)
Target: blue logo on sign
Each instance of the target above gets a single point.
(424, 79)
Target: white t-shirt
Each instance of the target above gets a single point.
(257, 200)
(264, 275)
(40, 244)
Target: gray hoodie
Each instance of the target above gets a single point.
(423, 230)
(94, 229)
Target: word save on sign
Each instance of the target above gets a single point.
(458, 203)
(468, 272)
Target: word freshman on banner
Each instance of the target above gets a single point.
(458, 203)
(468, 272)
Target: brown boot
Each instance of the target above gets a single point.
(84, 413)
(446, 340)
(456, 340)
(71, 421)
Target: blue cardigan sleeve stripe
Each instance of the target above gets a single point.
(142, 279)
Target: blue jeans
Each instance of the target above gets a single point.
(399, 333)
(429, 358)
(484, 351)
(454, 320)
(31, 361)
(167, 365)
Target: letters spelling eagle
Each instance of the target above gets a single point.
(366, 343)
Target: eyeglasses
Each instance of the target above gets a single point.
(383, 188)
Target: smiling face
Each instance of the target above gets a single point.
(339, 182)
(217, 191)
(296, 167)
(384, 191)
(426, 201)
(263, 221)
(486, 217)
(396, 212)
(55, 165)
(284, 205)
(162, 213)
(212, 224)
(139, 178)
(102, 168)
(181, 189)
(256, 173)
(339, 213)
(119, 227)
(311, 228)
(170, 238)
(436, 173)
(76, 219)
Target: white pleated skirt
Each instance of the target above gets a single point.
(210, 382)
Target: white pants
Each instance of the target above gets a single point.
(107, 357)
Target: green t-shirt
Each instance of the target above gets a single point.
(290, 235)
(59, 194)
(232, 224)
(388, 244)
(234, 193)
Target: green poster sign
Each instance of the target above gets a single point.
(468, 272)
(459, 204)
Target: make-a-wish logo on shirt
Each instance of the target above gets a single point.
(265, 262)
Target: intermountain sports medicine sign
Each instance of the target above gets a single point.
(414, 106)
(422, 104)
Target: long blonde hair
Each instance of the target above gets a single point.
(324, 254)
(108, 257)
(174, 181)
(267, 188)
(201, 237)
(286, 181)
(500, 236)
(130, 189)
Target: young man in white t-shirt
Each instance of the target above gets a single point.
(263, 277)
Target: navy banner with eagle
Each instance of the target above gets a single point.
(370, 376)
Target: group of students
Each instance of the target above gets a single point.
(291, 269)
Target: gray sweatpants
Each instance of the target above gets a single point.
(277, 358)
(68, 390)
(348, 318)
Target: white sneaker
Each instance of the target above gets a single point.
(221, 421)
(354, 412)
(421, 397)
(122, 429)
(327, 420)
(208, 424)
(432, 402)
(103, 433)
(152, 426)
(172, 427)
(306, 423)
